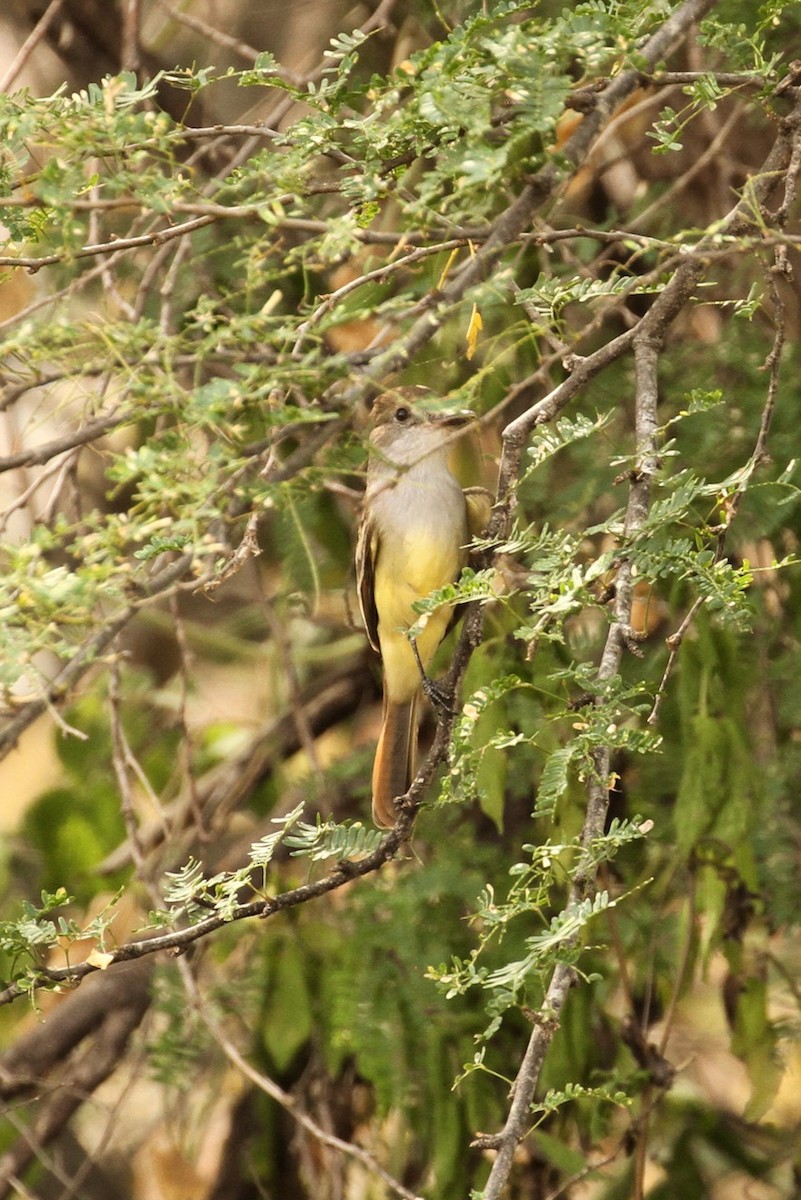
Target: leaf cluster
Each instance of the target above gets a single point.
(188, 388)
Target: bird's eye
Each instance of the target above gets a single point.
(402, 414)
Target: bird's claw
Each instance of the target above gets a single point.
(439, 698)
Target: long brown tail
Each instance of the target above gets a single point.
(393, 770)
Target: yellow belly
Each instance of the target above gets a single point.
(412, 568)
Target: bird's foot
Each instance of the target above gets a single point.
(440, 698)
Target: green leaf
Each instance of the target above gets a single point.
(554, 779)
(287, 1019)
(755, 1042)
(568, 1162)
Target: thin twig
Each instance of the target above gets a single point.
(759, 454)
(245, 552)
(106, 1020)
(289, 673)
(167, 318)
(131, 50)
(156, 238)
(33, 39)
(681, 184)
(38, 455)
(585, 1173)
(285, 1099)
(674, 643)
(53, 692)
(185, 739)
(214, 35)
(378, 273)
(124, 760)
(646, 338)
(181, 939)
(61, 469)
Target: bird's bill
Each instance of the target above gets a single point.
(453, 420)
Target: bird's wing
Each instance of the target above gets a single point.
(479, 509)
(366, 556)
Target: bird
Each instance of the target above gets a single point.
(413, 539)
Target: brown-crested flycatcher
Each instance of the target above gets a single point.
(414, 536)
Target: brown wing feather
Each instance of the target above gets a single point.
(366, 555)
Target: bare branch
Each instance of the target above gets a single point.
(214, 35)
(33, 39)
(130, 55)
(37, 455)
(105, 1015)
(156, 238)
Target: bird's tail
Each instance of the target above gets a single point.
(394, 767)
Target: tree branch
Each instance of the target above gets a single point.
(509, 227)
(55, 691)
(104, 1015)
(27, 48)
(646, 338)
(37, 455)
(287, 1100)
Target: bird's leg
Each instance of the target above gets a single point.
(438, 697)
